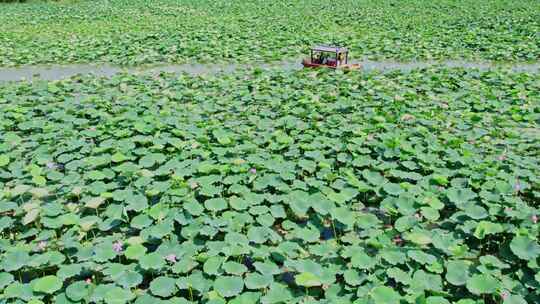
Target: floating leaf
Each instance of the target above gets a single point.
(135, 251)
(5, 279)
(308, 279)
(95, 202)
(393, 189)
(420, 237)
(457, 272)
(117, 295)
(163, 286)
(48, 284)
(30, 216)
(514, 299)
(257, 281)
(18, 291)
(215, 204)
(228, 286)
(129, 279)
(152, 261)
(482, 284)
(525, 248)
(222, 137)
(384, 295)
(4, 160)
(485, 228)
(460, 196)
(78, 291)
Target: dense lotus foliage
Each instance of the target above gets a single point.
(133, 32)
(272, 187)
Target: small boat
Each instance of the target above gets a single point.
(332, 57)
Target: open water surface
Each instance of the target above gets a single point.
(57, 72)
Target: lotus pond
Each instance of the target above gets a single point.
(272, 187)
(131, 32)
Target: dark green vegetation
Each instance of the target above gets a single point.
(272, 187)
(140, 31)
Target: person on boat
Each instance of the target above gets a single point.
(341, 58)
(322, 57)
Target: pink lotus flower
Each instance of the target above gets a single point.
(253, 171)
(505, 294)
(41, 245)
(51, 165)
(88, 281)
(171, 258)
(117, 246)
(517, 187)
(501, 157)
(534, 218)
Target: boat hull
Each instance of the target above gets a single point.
(308, 64)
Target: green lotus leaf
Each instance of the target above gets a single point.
(460, 196)
(17, 290)
(129, 279)
(374, 178)
(15, 260)
(117, 295)
(135, 252)
(485, 228)
(384, 295)
(399, 275)
(163, 286)
(393, 189)
(257, 281)
(68, 271)
(95, 202)
(212, 265)
(118, 157)
(437, 300)
(308, 279)
(4, 160)
(419, 237)
(514, 299)
(215, 204)
(234, 268)
(343, 215)
(78, 291)
(228, 286)
(476, 212)
(152, 261)
(457, 272)
(48, 284)
(5, 279)
(277, 293)
(362, 260)
(353, 277)
(482, 284)
(525, 248)
(422, 280)
(222, 137)
(267, 268)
